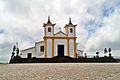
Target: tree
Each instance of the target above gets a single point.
(17, 51)
(97, 54)
(13, 55)
(105, 51)
(14, 48)
(109, 50)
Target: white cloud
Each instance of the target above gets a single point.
(106, 36)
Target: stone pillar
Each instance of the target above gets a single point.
(68, 47)
(52, 47)
(45, 45)
(75, 53)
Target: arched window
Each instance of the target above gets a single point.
(49, 29)
(71, 30)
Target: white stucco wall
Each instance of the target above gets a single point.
(49, 48)
(39, 54)
(49, 33)
(60, 42)
(60, 34)
(29, 50)
(71, 47)
(71, 34)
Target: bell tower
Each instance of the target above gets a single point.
(48, 28)
(48, 32)
(70, 29)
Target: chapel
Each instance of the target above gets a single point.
(55, 44)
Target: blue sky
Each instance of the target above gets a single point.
(98, 23)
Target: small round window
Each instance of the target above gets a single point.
(49, 29)
(71, 30)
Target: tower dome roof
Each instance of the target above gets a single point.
(48, 23)
(70, 23)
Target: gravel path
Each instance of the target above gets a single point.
(60, 71)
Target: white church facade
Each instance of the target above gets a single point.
(55, 44)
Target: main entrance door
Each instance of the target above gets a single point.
(60, 50)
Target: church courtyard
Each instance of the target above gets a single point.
(60, 71)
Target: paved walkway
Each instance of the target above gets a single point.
(60, 71)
